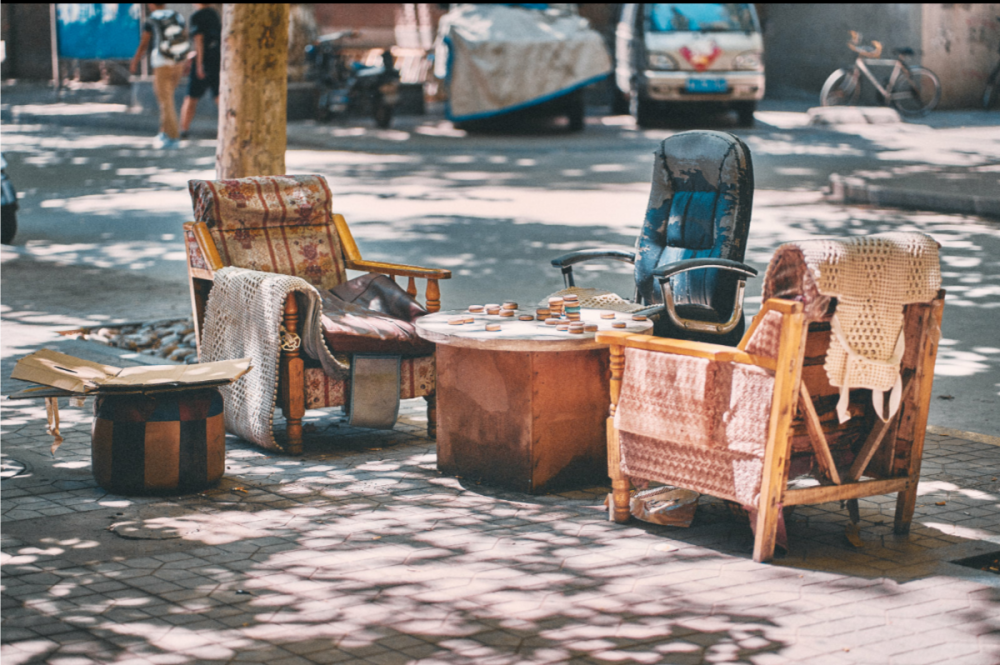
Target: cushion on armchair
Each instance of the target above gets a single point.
(280, 224)
(372, 314)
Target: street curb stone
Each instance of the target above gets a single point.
(853, 189)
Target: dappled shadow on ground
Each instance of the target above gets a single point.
(361, 550)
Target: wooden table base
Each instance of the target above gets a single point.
(527, 421)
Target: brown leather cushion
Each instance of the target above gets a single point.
(372, 314)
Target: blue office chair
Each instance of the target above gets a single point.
(689, 270)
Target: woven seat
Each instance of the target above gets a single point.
(803, 395)
(285, 225)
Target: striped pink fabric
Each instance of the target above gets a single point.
(279, 224)
(694, 423)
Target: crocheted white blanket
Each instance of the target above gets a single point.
(872, 278)
(243, 319)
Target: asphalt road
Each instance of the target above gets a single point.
(101, 213)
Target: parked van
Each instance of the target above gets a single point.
(671, 53)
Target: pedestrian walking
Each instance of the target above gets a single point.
(206, 36)
(164, 37)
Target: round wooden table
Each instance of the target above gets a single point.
(524, 407)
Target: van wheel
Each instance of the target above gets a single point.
(619, 102)
(745, 112)
(576, 112)
(641, 109)
(8, 217)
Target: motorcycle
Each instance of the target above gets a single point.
(350, 87)
(8, 209)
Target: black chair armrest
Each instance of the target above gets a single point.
(677, 267)
(581, 255)
(566, 261)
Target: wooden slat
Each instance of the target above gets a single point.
(776, 452)
(398, 269)
(612, 337)
(772, 304)
(814, 376)
(824, 493)
(817, 344)
(878, 432)
(843, 436)
(347, 244)
(816, 436)
(207, 245)
(919, 404)
(683, 347)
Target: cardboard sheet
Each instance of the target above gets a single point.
(79, 376)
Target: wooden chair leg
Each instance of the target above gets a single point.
(292, 382)
(620, 485)
(916, 404)
(777, 451)
(432, 417)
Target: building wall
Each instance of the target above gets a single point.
(960, 46)
(29, 47)
(804, 43)
(5, 36)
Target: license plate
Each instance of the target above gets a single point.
(707, 85)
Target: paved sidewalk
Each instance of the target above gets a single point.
(361, 552)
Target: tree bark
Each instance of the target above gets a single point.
(253, 91)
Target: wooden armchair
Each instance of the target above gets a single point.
(774, 381)
(285, 224)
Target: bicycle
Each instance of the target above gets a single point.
(913, 91)
(991, 95)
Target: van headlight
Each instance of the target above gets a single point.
(661, 61)
(749, 60)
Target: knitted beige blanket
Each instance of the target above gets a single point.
(243, 320)
(872, 278)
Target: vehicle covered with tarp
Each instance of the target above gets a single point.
(497, 59)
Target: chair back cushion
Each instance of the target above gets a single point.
(280, 224)
(699, 207)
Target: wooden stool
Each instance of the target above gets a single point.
(164, 443)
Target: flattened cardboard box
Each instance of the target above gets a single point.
(83, 377)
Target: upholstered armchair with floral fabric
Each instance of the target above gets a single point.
(286, 225)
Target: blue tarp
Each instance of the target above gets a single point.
(98, 31)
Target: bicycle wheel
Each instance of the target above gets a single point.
(917, 95)
(991, 95)
(841, 88)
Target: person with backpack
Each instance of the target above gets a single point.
(165, 37)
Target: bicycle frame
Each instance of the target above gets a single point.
(898, 67)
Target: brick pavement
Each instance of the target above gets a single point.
(360, 551)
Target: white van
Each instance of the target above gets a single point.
(674, 53)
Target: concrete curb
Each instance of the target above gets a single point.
(961, 434)
(852, 189)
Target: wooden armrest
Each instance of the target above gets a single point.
(398, 269)
(683, 347)
(207, 245)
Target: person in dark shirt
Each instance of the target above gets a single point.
(206, 33)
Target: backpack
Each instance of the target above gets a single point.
(172, 38)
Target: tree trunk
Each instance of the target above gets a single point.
(253, 91)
